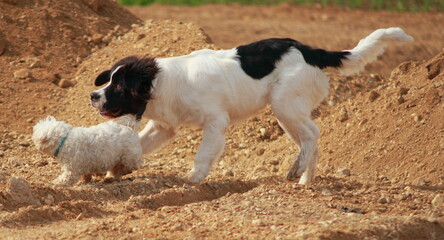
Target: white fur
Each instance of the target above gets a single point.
(109, 146)
(369, 48)
(209, 89)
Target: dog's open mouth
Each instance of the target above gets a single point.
(110, 114)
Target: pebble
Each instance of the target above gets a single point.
(343, 115)
(274, 162)
(49, 200)
(1, 207)
(438, 200)
(401, 100)
(260, 169)
(228, 173)
(22, 73)
(373, 96)
(403, 91)
(384, 200)
(64, 83)
(258, 222)
(261, 151)
(344, 172)
(416, 117)
(2, 46)
(20, 191)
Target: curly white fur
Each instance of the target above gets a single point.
(108, 147)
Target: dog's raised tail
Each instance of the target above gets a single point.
(369, 48)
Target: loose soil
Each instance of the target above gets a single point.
(380, 172)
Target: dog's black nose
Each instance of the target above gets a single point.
(94, 96)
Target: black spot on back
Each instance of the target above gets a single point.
(258, 59)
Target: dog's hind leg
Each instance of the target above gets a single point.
(292, 102)
(211, 147)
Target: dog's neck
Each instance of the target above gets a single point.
(62, 142)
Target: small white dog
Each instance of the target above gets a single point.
(111, 147)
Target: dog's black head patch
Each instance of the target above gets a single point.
(129, 88)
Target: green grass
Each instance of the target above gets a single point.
(391, 5)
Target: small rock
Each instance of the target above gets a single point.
(403, 91)
(20, 191)
(401, 100)
(274, 162)
(24, 144)
(263, 131)
(2, 46)
(343, 115)
(79, 217)
(33, 62)
(260, 169)
(343, 172)
(260, 151)
(258, 223)
(66, 83)
(2, 154)
(1, 207)
(438, 200)
(159, 215)
(229, 173)
(373, 96)
(416, 117)
(383, 200)
(22, 73)
(49, 200)
(96, 38)
(178, 227)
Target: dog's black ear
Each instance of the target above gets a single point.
(102, 78)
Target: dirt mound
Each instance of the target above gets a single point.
(394, 132)
(41, 43)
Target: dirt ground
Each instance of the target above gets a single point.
(381, 166)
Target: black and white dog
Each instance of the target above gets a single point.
(212, 89)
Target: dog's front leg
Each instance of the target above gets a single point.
(210, 149)
(155, 135)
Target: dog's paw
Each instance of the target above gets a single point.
(306, 178)
(196, 176)
(295, 171)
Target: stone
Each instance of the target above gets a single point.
(343, 172)
(229, 173)
(438, 200)
(373, 96)
(64, 83)
(343, 115)
(258, 223)
(20, 192)
(384, 200)
(260, 151)
(22, 73)
(403, 91)
(2, 46)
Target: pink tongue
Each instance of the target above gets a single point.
(105, 114)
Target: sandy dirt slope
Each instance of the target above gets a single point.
(381, 166)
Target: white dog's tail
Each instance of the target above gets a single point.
(369, 48)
